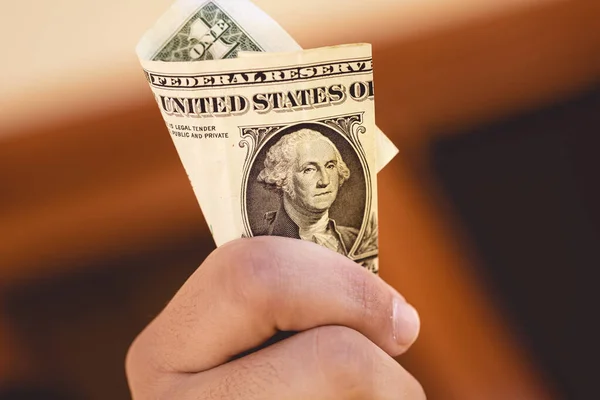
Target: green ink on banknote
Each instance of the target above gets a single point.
(209, 34)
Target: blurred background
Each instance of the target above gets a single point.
(491, 211)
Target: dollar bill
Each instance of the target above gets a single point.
(280, 143)
(201, 30)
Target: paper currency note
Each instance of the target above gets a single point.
(200, 30)
(282, 144)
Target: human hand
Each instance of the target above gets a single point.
(349, 325)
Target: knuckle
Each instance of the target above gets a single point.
(249, 378)
(414, 390)
(345, 360)
(142, 375)
(351, 366)
(131, 361)
(253, 270)
(419, 392)
(369, 300)
(137, 357)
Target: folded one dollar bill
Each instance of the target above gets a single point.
(280, 143)
(198, 30)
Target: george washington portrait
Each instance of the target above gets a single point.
(306, 171)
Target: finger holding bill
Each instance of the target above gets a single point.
(348, 319)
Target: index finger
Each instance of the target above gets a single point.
(249, 289)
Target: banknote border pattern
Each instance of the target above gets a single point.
(350, 127)
(254, 76)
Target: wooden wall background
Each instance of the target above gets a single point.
(103, 201)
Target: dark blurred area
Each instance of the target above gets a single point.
(490, 217)
(78, 326)
(528, 192)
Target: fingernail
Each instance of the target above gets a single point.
(406, 322)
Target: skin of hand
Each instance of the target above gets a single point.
(347, 323)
